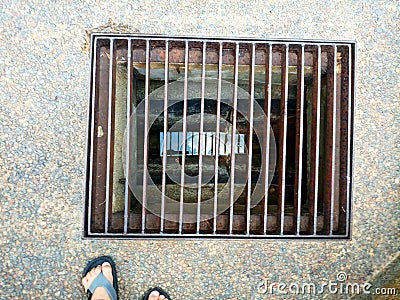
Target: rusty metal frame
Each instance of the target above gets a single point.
(333, 223)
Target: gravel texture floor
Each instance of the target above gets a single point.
(44, 83)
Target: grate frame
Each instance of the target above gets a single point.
(346, 155)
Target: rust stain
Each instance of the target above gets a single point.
(111, 26)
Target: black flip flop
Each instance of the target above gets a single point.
(146, 297)
(100, 280)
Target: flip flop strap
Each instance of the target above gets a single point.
(101, 281)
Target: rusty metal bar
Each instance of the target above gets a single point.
(217, 138)
(92, 131)
(315, 139)
(195, 54)
(222, 225)
(345, 140)
(164, 158)
(201, 133)
(250, 136)
(349, 140)
(128, 136)
(100, 142)
(330, 142)
(283, 136)
(110, 138)
(155, 37)
(299, 138)
(267, 134)
(146, 135)
(233, 138)
(185, 100)
(334, 213)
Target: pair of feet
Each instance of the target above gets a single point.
(101, 293)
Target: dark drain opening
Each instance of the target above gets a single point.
(284, 108)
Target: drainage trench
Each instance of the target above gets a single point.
(219, 138)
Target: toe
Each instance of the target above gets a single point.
(90, 276)
(107, 271)
(162, 297)
(95, 271)
(85, 283)
(154, 295)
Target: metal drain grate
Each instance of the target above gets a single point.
(202, 137)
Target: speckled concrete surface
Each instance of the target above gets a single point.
(44, 91)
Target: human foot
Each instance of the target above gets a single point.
(100, 293)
